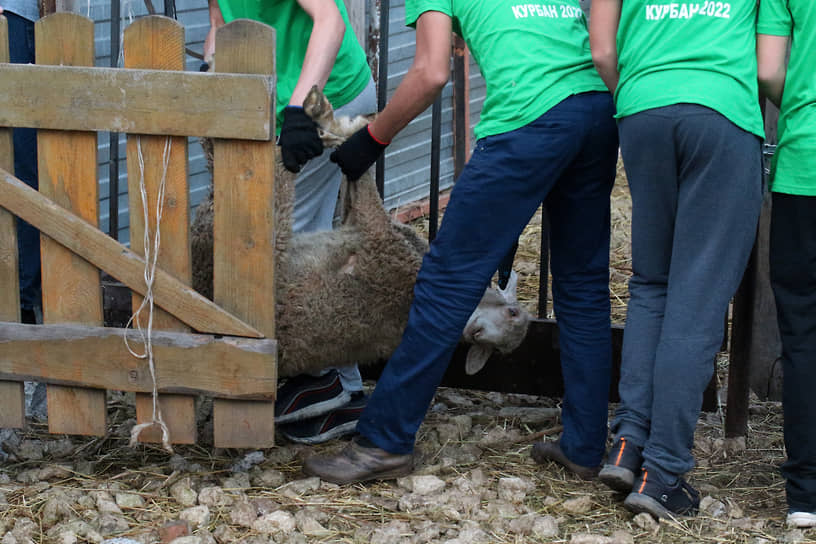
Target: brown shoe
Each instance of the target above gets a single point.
(545, 451)
(355, 463)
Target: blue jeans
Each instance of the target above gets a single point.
(565, 158)
(21, 51)
(696, 185)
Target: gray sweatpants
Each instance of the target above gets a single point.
(316, 190)
(696, 186)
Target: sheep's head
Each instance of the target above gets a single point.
(333, 130)
(499, 323)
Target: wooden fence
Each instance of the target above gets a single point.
(223, 348)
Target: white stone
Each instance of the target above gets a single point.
(196, 516)
(214, 496)
(183, 493)
(578, 505)
(276, 522)
(514, 489)
(422, 484)
(545, 527)
(129, 500)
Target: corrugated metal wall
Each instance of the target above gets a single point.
(193, 15)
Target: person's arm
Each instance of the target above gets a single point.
(417, 90)
(603, 30)
(216, 22)
(424, 80)
(772, 52)
(324, 43)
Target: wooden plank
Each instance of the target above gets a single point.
(356, 10)
(225, 366)
(71, 289)
(136, 101)
(243, 232)
(123, 264)
(158, 42)
(12, 396)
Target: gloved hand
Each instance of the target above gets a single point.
(298, 139)
(356, 155)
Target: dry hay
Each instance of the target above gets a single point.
(475, 480)
(527, 259)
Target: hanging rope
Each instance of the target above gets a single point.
(151, 254)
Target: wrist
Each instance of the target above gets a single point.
(382, 141)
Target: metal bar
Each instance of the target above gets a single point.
(113, 142)
(461, 115)
(382, 84)
(544, 265)
(436, 137)
(170, 8)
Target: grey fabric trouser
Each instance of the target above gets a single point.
(696, 185)
(316, 190)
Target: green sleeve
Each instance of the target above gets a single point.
(774, 18)
(415, 8)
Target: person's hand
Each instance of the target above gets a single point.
(299, 140)
(356, 155)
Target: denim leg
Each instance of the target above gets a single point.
(718, 205)
(21, 51)
(793, 277)
(649, 158)
(578, 209)
(500, 188)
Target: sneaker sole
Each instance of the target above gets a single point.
(801, 520)
(334, 432)
(640, 503)
(618, 478)
(316, 409)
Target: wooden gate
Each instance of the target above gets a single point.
(231, 356)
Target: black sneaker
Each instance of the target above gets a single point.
(622, 463)
(305, 396)
(339, 422)
(660, 500)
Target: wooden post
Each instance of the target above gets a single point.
(67, 163)
(244, 231)
(461, 105)
(12, 397)
(158, 42)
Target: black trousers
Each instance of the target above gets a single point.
(793, 278)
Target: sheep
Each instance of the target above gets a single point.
(343, 296)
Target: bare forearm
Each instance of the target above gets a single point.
(324, 43)
(772, 65)
(424, 80)
(603, 29)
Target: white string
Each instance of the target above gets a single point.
(151, 255)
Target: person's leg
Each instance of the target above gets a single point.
(500, 188)
(578, 209)
(21, 51)
(305, 401)
(793, 278)
(648, 154)
(719, 199)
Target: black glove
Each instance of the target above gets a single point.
(298, 139)
(356, 155)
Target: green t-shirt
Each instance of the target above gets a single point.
(697, 52)
(293, 26)
(532, 56)
(795, 159)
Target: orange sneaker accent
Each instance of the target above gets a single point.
(620, 453)
(642, 485)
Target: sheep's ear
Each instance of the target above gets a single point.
(477, 356)
(509, 291)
